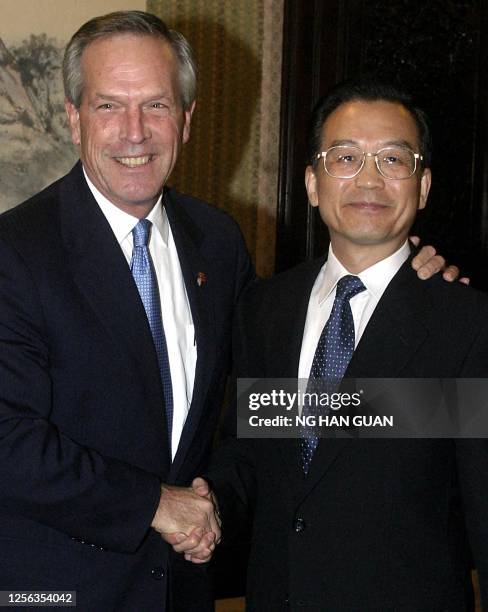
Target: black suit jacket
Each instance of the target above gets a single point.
(83, 438)
(376, 524)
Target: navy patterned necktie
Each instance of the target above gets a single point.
(145, 277)
(332, 355)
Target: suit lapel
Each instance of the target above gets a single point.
(188, 239)
(284, 347)
(396, 329)
(102, 275)
(284, 337)
(101, 272)
(391, 338)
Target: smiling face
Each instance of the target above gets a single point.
(368, 216)
(130, 124)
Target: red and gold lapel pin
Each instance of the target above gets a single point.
(201, 278)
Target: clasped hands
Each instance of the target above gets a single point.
(188, 519)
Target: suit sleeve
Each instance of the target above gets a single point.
(472, 461)
(44, 475)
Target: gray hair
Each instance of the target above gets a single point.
(127, 22)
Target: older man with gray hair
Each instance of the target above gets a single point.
(116, 300)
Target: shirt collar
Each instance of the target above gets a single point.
(376, 278)
(122, 223)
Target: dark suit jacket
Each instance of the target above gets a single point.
(377, 524)
(83, 438)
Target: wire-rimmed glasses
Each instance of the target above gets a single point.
(347, 161)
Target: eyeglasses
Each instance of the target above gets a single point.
(347, 161)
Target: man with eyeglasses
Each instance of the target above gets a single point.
(353, 524)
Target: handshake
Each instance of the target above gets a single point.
(188, 519)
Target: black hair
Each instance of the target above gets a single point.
(370, 89)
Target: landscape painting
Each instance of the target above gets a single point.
(35, 146)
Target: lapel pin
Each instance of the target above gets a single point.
(201, 278)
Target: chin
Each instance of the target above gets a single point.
(139, 196)
(365, 234)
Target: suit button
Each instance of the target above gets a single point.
(299, 525)
(157, 573)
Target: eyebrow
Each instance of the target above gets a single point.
(388, 143)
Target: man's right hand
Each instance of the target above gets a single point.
(181, 510)
(198, 545)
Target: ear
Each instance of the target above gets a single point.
(311, 185)
(425, 182)
(74, 121)
(188, 114)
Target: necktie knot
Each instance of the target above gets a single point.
(348, 287)
(141, 232)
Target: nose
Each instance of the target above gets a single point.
(134, 128)
(369, 176)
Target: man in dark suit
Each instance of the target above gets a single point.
(352, 524)
(106, 415)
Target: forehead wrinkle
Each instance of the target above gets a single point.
(132, 74)
(123, 95)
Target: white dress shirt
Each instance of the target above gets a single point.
(376, 279)
(175, 308)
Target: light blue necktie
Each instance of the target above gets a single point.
(145, 277)
(332, 356)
